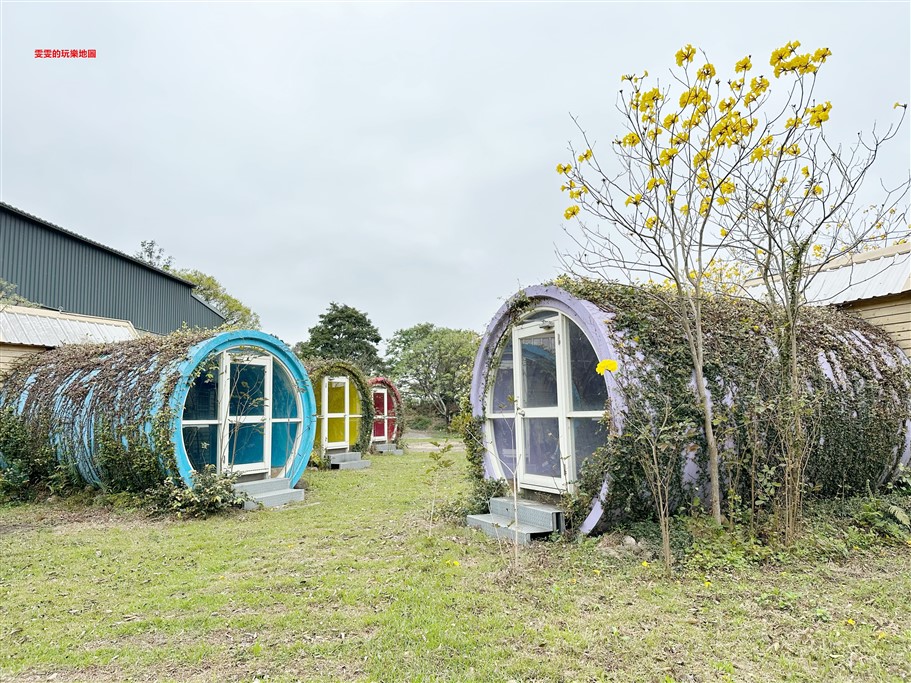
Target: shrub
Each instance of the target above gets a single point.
(212, 493)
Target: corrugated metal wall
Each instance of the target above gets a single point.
(52, 268)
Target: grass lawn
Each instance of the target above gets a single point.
(348, 586)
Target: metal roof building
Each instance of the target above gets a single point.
(64, 271)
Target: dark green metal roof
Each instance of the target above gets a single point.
(60, 269)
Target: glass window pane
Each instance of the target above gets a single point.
(247, 445)
(542, 446)
(248, 389)
(504, 438)
(202, 399)
(588, 435)
(284, 434)
(354, 400)
(336, 430)
(539, 371)
(336, 396)
(589, 389)
(503, 387)
(354, 429)
(201, 444)
(540, 315)
(284, 393)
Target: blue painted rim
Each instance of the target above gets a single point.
(226, 341)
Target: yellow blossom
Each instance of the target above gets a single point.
(737, 84)
(585, 156)
(759, 154)
(850, 622)
(724, 233)
(743, 65)
(649, 100)
(819, 113)
(794, 122)
(630, 140)
(667, 155)
(564, 169)
(817, 190)
(606, 365)
(806, 171)
(727, 186)
(685, 54)
(821, 54)
(645, 563)
(721, 201)
(685, 209)
(670, 196)
(704, 206)
(705, 73)
(653, 183)
(634, 199)
(817, 250)
(570, 212)
(650, 222)
(669, 120)
(702, 156)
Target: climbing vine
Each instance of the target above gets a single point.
(317, 369)
(860, 397)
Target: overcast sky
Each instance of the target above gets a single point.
(398, 158)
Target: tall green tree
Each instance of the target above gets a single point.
(347, 333)
(210, 290)
(433, 364)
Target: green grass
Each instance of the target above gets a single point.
(349, 586)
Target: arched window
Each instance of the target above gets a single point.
(545, 403)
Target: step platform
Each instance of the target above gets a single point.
(347, 461)
(269, 493)
(522, 521)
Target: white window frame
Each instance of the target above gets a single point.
(224, 420)
(387, 415)
(335, 445)
(558, 324)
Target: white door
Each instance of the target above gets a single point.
(538, 377)
(246, 406)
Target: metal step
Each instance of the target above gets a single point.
(339, 458)
(352, 465)
(499, 527)
(530, 512)
(274, 499)
(260, 486)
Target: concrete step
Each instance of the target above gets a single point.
(260, 486)
(339, 458)
(388, 448)
(500, 527)
(530, 512)
(274, 499)
(352, 465)
(391, 451)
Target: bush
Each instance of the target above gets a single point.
(27, 459)
(211, 494)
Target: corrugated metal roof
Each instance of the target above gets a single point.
(32, 327)
(867, 279)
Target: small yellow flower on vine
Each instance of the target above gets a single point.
(705, 73)
(570, 212)
(743, 65)
(634, 199)
(630, 140)
(667, 155)
(606, 365)
(685, 54)
(724, 232)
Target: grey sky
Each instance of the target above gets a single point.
(395, 157)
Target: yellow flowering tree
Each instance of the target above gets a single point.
(711, 170)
